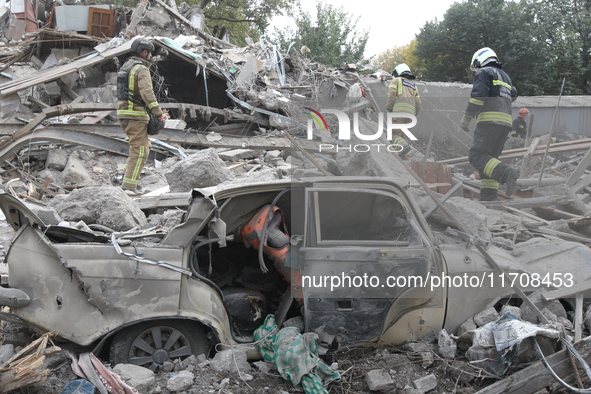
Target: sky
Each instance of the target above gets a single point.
(388, 27)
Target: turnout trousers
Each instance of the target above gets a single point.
(487, 146)
(139, 148)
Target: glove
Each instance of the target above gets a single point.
(465, 123)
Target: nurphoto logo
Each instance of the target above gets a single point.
(392, 119)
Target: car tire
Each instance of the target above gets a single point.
(150, 344)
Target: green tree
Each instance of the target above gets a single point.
(332, 40)
(392, 57)
(538, 41)
(242, 18)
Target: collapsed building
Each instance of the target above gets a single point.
(238, 120)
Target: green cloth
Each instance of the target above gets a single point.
(295, 356)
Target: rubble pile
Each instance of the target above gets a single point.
(239, 116)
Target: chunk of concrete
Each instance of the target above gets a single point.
(352, 162)
(6, 353)
(239, 154)
(108, 206)
(75, 174)
(426, 383)
(446, 345)
(47, 215)
(538, 300)
(378, 380)
(201, 169)
(56, 159)
(486, 316)
(138, 377)
(514, 310)
(467, 326)
(53, 175)
(180, 382)
(227, 360)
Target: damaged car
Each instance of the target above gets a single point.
(145, 297)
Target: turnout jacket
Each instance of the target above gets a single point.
(140, 92)
(519, 126)
(491, 97)
(403, 96)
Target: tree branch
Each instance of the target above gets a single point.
(204, 3)
(230, 20)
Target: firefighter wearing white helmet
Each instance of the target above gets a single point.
(490, 102)
(403, 96)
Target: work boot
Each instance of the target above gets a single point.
(511, 176)
(403, 154)
(487, 194)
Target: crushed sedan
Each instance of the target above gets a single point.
(353, 258)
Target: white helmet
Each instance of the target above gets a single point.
(482, 57)
(402, 70)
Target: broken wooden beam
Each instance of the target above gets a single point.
(536, 377)
(526, 202)
(583, 144)
(167, 200)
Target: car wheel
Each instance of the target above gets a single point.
(150, 344)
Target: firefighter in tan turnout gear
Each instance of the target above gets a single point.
(136, 96)
(490, 102)
(403, 96)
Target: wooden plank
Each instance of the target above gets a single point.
(583, 144)
(443, 199)
(95, 118)
(582, 183)
(568, 292)
(66, 89)
(526, 202)
(529, 215)
(37, 102)
(580, 170)
(576, 203)
(578, 317)
(536, 376)
(443, 175)
(168, 200)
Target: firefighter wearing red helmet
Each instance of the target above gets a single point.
(519, 124)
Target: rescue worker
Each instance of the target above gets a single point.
(135, 96)
(519, 124)
(403, 96)
(490, 102)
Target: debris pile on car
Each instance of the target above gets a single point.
(222, 214)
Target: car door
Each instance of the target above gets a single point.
(364, 263)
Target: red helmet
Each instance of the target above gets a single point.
(523, 112)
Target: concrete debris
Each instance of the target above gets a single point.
(74, 173)
(240, 154)
(56, 159)
(468, 325)
(426, 383)
(554, 307)
(137, 377)
(485, 317)
(446, 345)
(48, 215)
(199, 170)
(229, 360)
(379, 380)
(107, 206)
(6, 352)
(514, 310)
(180, 382)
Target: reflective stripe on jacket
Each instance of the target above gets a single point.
(139, 82)
(491, 97)
(403, 96)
